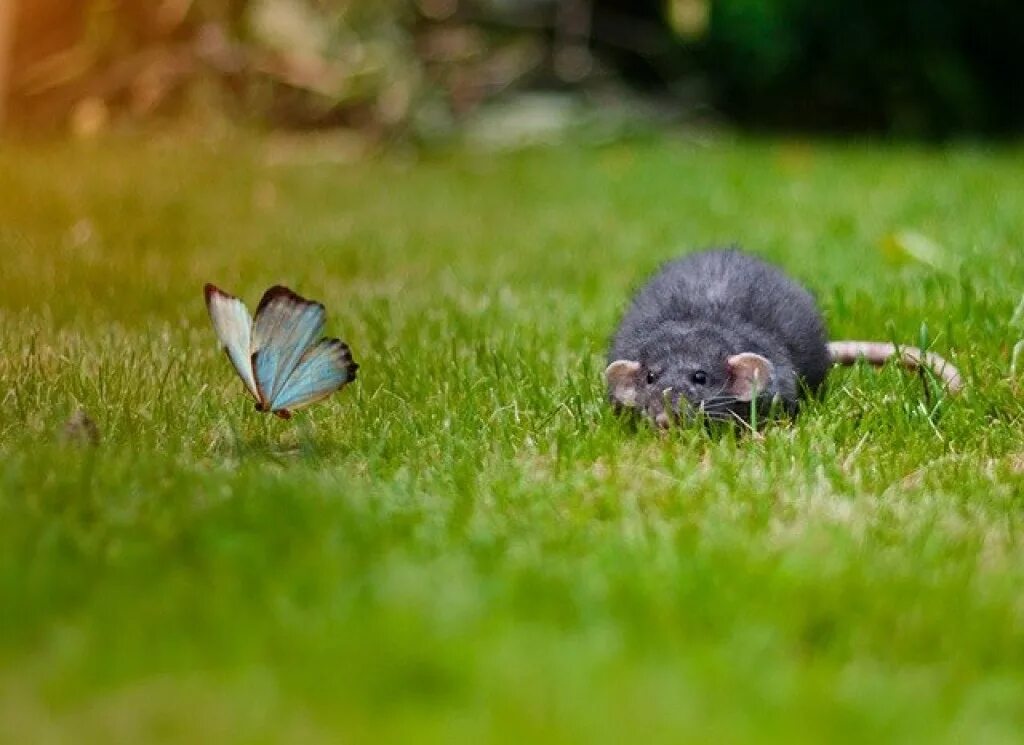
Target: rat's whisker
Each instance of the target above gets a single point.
(717, 403)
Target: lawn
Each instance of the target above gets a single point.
(466, 545)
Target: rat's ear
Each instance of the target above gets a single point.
(749, 375)
(622, 376)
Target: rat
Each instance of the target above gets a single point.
(725, 335)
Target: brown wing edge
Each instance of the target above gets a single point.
(280, 291)
(210, 289)
(345, 354)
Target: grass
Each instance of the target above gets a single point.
(466, 545)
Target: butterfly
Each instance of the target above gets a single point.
(278, 353)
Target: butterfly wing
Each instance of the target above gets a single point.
(285, 327)
(325, 368)
(233, 326)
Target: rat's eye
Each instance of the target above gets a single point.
(650, 378)
(699, 377)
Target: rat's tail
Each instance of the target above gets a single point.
(878, 353)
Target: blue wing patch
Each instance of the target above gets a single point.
(284, 329)
(325, 368)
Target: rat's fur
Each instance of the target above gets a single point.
(699, 311)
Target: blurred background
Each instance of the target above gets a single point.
(430, 70)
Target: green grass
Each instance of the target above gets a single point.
(466, 546)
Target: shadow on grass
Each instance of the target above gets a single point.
(301, 442)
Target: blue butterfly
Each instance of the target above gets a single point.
(278, 355)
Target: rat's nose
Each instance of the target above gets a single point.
(663, 420)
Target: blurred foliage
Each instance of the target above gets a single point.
(379, 65)
(904, 67)
(910, 67)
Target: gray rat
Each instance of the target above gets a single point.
(724, 334)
